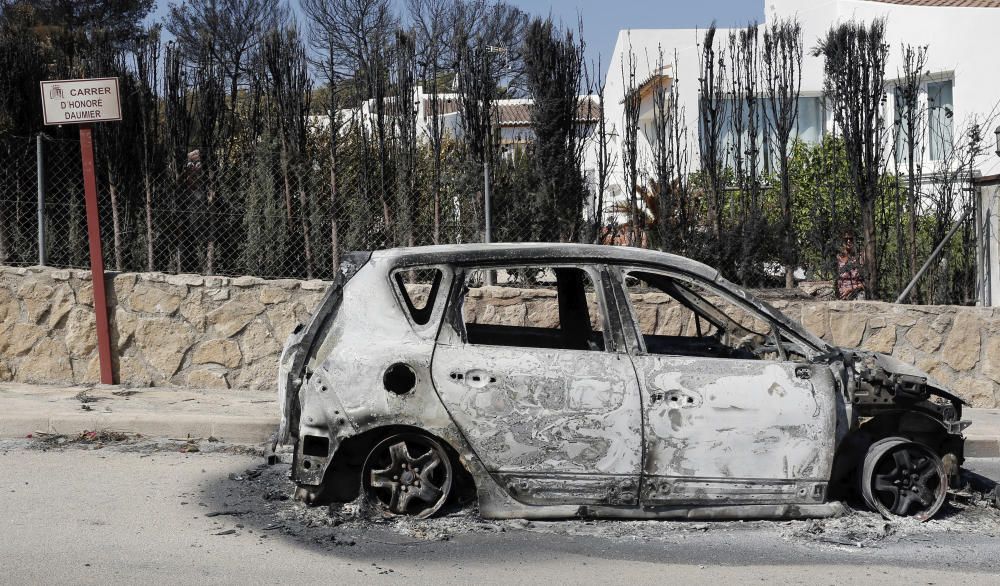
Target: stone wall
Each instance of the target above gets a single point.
(218, 332)
(958, 346)
(186, 330)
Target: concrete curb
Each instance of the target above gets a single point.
(979, 447)
(982, 438)
(235, 429)
(233, 416)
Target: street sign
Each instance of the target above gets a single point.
(81, 101)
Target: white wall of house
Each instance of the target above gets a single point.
(962, 55)
(679, 48)
(961, 49)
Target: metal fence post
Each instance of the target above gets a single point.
(930, 259)
(488, 213)
(487, 204)
(40, 158)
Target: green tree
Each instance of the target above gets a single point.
(823, 203)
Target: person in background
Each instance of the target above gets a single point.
(850, 270)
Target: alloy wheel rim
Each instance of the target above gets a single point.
(905, 479)
(408, 475)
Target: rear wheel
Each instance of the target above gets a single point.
(901, 478)
(407, 474)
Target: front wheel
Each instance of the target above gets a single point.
(901, 478)
(407, 474)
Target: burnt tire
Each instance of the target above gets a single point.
(311, 495)
(902, 478)
(407, 474)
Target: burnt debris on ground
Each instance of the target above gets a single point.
(134, 442)
(93, 439)
(969, 510)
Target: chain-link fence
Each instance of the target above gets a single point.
(19, 218)
(257, 213)
(263, 217)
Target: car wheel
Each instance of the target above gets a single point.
(901, 478)
(407, 474)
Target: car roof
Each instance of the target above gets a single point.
(541, 251)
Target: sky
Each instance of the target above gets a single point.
(602, 19)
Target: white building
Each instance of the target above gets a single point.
(960, 81)
(513, 116)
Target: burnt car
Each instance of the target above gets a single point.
(565, 380)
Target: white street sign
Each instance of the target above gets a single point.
(81, 101)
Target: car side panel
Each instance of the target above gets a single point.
(736, 431)
(554, 426)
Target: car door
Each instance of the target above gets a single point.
(545, 396)
(725, 421)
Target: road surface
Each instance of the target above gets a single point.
(149, 513)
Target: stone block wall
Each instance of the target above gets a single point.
(185, 330)
(958, 346)
(218, 332)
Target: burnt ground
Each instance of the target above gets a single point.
(967, 515)
(257, 499)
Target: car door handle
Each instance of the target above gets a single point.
(674, 397)
(475, 378)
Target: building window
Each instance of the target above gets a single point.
(902, 128)
(933, 124)
(809, 126)
(940, 116)
(734, 145)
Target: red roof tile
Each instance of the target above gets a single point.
(520, 114)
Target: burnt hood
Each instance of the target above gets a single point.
(878, 381)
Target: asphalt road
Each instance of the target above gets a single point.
(135, 514)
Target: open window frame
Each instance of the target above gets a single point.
(455, 330)
(780, 341)
(425, 320)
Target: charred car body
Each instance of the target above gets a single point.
(534, 377)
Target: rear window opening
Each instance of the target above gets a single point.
(533, 307)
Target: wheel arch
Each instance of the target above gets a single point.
(342, 480)
(913, 425)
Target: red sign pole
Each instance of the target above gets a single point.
(96, 257)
